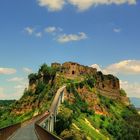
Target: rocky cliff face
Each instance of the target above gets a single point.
(106, 85)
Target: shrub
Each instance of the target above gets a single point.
(32, 78)
(102, 117)
(64, 120)
(122, 92)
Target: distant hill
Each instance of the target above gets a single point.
(135, 101)
(5, 103)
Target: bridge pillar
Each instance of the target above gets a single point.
(62, 97)
(55, 116)
(48, 125)
(51, 128)
(51, 125)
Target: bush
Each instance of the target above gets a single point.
(64, 120)
(102, 117)
(122, 92)
(40, 87)
(32, 78)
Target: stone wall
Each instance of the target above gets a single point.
(75, 69)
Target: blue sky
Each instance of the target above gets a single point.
(105, 33)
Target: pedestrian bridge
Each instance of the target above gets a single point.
(40, 127)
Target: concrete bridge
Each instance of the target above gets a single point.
(49, 122)
(39, 128)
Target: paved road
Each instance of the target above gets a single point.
(25, 133)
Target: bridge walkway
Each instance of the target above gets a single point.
(25, 133)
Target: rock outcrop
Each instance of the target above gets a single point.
(106, 85)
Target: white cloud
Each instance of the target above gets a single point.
(19, 87)
(117, 30)
(71, 37)
(132, 89)
(15, 79)
(127, 67)
(17, 94)
(96, 66)
(52, 5)
(50, 29)
(39, 34)
(27, 70)
(29, 30)
(56, 5)
(7, 71)
(124, 67)
(86, 4)
(53, 30)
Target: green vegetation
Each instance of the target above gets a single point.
(122, 92)
(5, 103)
(122, 122)
(35, 100)
(85, 113)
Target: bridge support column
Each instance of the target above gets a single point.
(51, 128)
(52, 124)
(55, 116)
(48, 125)
(62, 97)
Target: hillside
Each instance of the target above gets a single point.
(94, 108)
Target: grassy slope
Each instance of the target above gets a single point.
(122, 122)
(32, 102)
(91, 133)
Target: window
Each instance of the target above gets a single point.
(73, 72)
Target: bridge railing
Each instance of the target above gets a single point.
(42, 133)
(6, 132)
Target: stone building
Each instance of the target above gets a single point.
(75, 69)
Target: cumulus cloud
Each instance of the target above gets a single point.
(15, 79)
(7, 71)
(53, 30)
(71, 37)
(127, 67)
(117, 30)
(96, 66)
(132, 89)
(50, 29)
(52, 5)
(29, 30)
(19, 87)
(86, 4)
(39, 34)
(56, 5)
(27, 70)
(124, 67)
